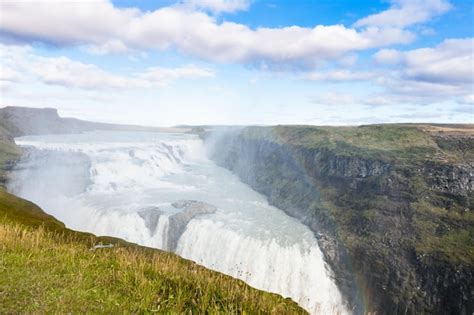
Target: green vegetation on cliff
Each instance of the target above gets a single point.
(8, 150)
(399, 143)
(443, 224)
(392, 205)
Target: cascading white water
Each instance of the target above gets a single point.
(296, 270)
(126, 185)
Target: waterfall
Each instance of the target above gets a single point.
(160, 190)
(296, 271)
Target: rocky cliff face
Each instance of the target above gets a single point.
(455, 180)
(376, 219)
(33, 121)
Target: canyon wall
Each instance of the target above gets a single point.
(395, 225)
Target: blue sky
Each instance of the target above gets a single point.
(241, 61)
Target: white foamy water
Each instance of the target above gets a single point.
(123, 184)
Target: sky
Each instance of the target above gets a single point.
(164, 62)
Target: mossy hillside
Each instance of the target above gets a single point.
(445, 233)
(399, 143)
(357, 211)
(8, 151)
(375, 191)
(366, 218)
(26, 213)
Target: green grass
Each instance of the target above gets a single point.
(457, 244)
(400, 143)
(19, 211)
(47, 268)
(446, 233)
(373, 137)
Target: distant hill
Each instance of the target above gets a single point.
(22, 121)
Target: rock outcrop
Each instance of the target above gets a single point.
(151, 216)
(177, 222)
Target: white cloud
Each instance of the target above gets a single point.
(399, 91)
(420, 76)
(217, 6)
(22, 63)
(451, 62)
(8, 74)
(423, 76)
(335, 99)
(65, 21)
(339, 75)
(348, 61)
(103, 28)
(66, 72)
(448, 63)
(387, 56)
(163, 76)
(109, 47)
(427, 75)
(468, 99)
(403, 13)
(198, 34)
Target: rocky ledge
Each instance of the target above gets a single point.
(177, 222)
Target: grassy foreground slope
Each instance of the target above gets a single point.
(47, 268)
